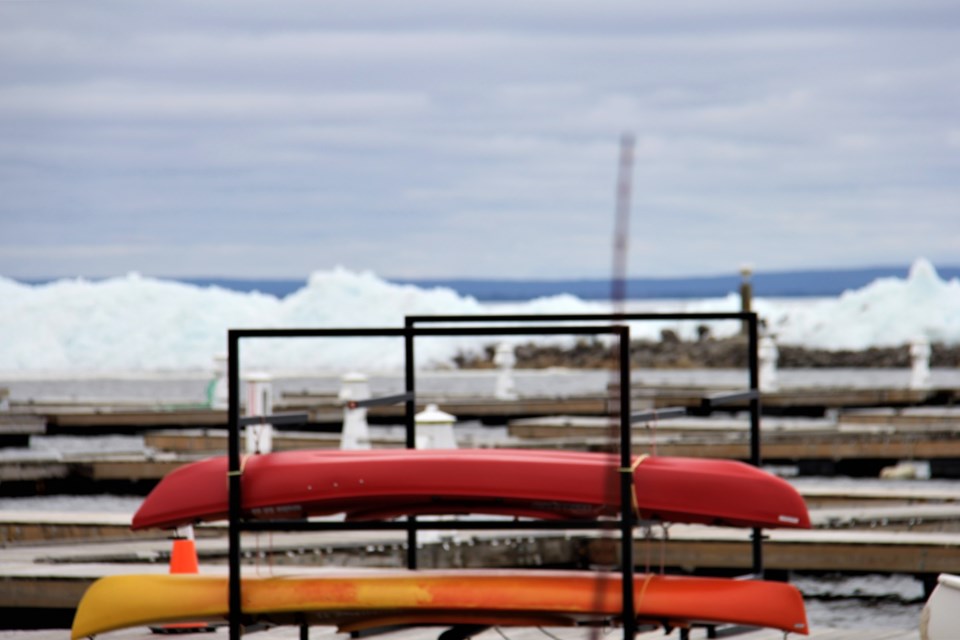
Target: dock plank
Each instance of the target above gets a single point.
(692, 547)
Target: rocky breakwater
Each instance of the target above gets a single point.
(671, 352)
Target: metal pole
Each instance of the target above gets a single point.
(755, 457)
(411, 430)
(621, 231)
(233, 483)
(752, 346)
(626, 487)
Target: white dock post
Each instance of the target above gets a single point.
(355, 433)
(259, 403)
(769, 355)
(505, 360)
(436, 428)
(920, 362)
(217, 390)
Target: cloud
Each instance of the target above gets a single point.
(138, 101)
(411, 137)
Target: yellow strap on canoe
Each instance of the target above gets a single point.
(633, 485)
(238, 472)
(638, 600)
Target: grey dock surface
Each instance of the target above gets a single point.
(53, 574)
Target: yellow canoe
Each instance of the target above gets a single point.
(363, 599)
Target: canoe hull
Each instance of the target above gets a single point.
(539, 484)
(940, 618)
(359, 600)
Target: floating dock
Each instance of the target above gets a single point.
(48, 560)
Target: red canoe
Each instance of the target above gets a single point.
(523, 483)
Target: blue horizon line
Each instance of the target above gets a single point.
(793, 283)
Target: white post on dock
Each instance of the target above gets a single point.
(435, 427)
(259, 437)
(355, 433)
(505, 359)
(769, 355)
(920, 363)
(217, 389)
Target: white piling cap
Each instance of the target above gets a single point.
(433, 415)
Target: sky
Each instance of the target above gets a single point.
(439, 138)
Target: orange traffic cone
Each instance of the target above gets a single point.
(183, 560)
(183, 555)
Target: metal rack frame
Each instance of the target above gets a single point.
(625, 524)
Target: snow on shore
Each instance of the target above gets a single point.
(136, 323)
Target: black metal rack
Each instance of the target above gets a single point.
(750, 322)
(625, 524)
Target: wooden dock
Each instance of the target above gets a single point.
(322, 410)
(869, 440)
(45, 548)
(844, 445)
(48, 560)
(803, 401)
(553, 396)
(51, 578)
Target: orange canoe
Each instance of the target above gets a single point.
(354, 600)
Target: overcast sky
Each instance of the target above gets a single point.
(439, 138)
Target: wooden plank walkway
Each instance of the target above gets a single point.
(815, 444)
(321, 410)
(800, 398)
(691, 547)
(698, 547)
(787, 440)
(324, 408)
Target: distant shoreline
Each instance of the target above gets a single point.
(710, 353)
(785, 284)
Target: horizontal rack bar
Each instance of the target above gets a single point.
(658, 414)
(381, 401)
(719, 399)
(526, 330)
(580, 317)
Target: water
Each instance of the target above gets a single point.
(861, 602)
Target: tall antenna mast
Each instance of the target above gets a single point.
(621, 230)
(618, 294)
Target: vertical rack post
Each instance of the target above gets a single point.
(626, 487)
(755, 457)
(411, 428)
(233, 482)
